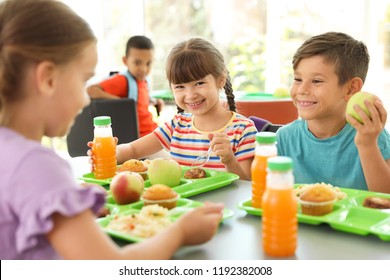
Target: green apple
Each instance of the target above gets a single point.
(282, 92)
(127, 187)
(359, 98)
(164, 171)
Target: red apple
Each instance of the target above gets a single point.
(127, 187)
(164, 171)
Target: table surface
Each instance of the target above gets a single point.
(239, 237)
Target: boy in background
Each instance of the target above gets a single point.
(133, 82)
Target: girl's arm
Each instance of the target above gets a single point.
(80, 237)
(140, 148)
(221, 146)
(242, 168)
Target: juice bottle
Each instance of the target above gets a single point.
(265, 148)
(104, 148)
(279, 221)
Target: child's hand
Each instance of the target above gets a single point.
(90, 152)
(159, 106)
(368, 132)
(98, 187)
(221, 146)
(200, 224)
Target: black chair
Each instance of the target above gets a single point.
(124, 120)
(264, 125)
(273, 127)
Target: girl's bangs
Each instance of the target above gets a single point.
(188, 66)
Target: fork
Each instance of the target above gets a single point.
(203, 159)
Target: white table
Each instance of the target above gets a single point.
(240, 236)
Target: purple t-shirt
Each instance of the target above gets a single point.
(35, 183)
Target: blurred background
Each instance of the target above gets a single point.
(257, 37)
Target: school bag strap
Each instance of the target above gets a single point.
(132, 88)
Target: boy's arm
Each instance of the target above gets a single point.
(95, 91)
(376, 170)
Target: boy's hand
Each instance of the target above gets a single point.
(158, 104)
(368, 131)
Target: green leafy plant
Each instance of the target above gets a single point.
(246, 64)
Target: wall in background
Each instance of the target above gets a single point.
(257, 37)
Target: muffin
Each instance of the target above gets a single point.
(147, 162)
(161, 195)
(317, 200)
(195, 173)
(135, 165)
(339, 193)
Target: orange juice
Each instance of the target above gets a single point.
(104, 149)
(259, 174)
(279, 221)
(265, 148)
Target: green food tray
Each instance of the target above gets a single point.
(162, 94)
(348, 215)
(183, 206)
(187, 187)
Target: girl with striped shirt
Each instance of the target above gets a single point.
(196, 72)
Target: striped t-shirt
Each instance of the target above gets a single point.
(185, 143)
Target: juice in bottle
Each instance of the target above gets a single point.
(279, 218)
(104, 149)
(265, 148)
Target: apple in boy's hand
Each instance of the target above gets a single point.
(358, 98)
(164, 171)
(126, 187)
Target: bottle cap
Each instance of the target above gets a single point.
(102, 120)
(280, 163)
(265, 137)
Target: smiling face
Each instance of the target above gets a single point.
(139, 62)
(316, 92)
(198, 97)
